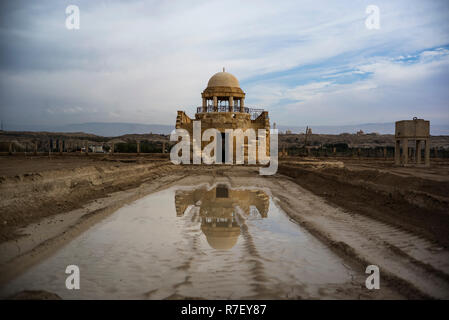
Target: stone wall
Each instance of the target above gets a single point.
(226, 120)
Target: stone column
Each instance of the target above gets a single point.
(397, 152)
(163, 147)
(138, 147)
(60, 147)
(231, 104)
(418, 152)
(204, 105)
(242, 105)
(215, 104)
(427, 153)
(405, 150)
(385, 153)
(87, 147)
(10, 148)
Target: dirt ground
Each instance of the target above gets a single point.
(36, 187)
(370, 212)
(415, 199)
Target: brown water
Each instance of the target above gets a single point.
(208, 242)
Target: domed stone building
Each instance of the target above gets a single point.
(223, 107)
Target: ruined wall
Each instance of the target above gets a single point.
(227, 120)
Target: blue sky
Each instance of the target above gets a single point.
(306, 62)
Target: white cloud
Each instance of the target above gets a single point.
(140, 61)
(393, 91)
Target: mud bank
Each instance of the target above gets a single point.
(30, 196)
(413, 203)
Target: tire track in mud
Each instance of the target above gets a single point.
(253, 257)
(189, 219)
(257, 270)
(411, 258)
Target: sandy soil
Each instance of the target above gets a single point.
(36, 187)
(374, 215)
(414, 199)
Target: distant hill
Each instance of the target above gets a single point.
(105, 129)
(382, 128)
(114, 129)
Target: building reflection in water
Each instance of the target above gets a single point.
(222, 211)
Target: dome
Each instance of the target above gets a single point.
(223, 79)
(221, 238)
(222, 243)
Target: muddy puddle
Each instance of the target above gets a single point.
(212, 242)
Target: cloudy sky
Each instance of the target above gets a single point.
(306, 62)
